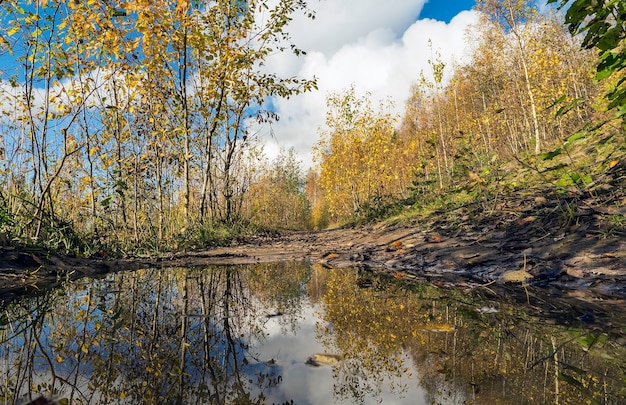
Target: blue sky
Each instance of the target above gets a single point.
(445, 10)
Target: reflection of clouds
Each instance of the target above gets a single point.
(273, 326)
(300, 382)
(257, 350)
(120, 350)
(315, 385)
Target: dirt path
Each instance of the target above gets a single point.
(576, 261)
(579, 261)
(531, 241)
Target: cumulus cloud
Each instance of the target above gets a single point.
(346, 21)
(379, 47)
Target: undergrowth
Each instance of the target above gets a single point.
(586, 169)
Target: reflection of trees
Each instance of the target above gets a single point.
(152, 336)
(282, 287)
(461, 354)
(493, 358)
(363, 327)
(21, 330)
(317, 284)
(189, 336)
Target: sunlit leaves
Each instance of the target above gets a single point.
(357, 154)
(484, 113)
(369, 331)
(603, 24)
(276, 198)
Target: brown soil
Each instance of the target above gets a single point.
(565, 244)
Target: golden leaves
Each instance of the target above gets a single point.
(439, 328)
(358, 154)
(132, 74)
(13, 30)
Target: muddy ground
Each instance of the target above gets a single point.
(571, 245)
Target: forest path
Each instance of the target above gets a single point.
(566, 245)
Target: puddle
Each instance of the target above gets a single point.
(304, 334)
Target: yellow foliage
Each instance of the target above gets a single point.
(358, 156)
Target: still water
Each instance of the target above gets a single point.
(304, 334)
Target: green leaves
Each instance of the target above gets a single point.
(573, 179)
(359, 155)
(604, 26)
(574, 138)
(552, 154)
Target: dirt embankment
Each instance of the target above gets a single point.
(556, 243)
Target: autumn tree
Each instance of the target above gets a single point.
(515, 17)
(314, 193)
(277, 199)
(484, 113)
(356, 153)
(136, 114)
(526, 86)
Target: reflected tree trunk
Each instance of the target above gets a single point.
(208, 294)
(555, 357)
(183, 337)
(232, 347)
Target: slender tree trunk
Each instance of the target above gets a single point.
(187, 132)
(136, 201)
(529, 92)
(533, 108)
(92, 182)
(117, 128)
(486, 141)
(207, 201)
(159, 186)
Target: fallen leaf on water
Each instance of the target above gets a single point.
(321, 359)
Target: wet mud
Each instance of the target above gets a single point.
(564, 245)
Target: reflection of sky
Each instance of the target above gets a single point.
(288, 347)
(314, 385)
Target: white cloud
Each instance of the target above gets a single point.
(340, 22)
(377, 46)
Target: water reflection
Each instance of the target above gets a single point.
(292, 333)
